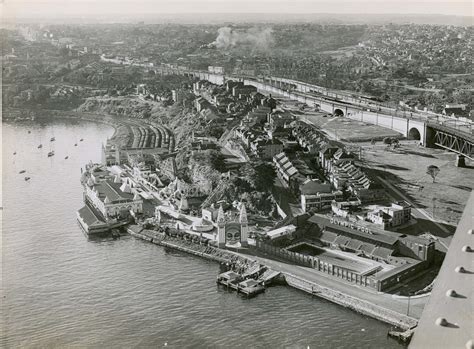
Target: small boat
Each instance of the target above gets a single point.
(40, 146)
(51, 153)
(67, 157)
(52, 139)
(22, 171)
(27, 178)
(75, 144)
(81, 139)
(14, 153)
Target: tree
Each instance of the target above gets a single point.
(395, 143)
(241, 185)
(264, 177)
(218, 161)
(433, 171)
(247, 172)
(216, 132)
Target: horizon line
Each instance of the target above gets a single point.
(178, 14)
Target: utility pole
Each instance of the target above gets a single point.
(408, 307)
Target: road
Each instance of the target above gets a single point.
(384, 300)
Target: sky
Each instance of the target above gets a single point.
(95, 8)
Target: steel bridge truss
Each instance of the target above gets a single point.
(454, 143)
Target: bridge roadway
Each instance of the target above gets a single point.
(428, 128)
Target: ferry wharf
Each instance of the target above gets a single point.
(373, 309)
(251, 282)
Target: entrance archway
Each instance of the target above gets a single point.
(414, 134)
(338, 112)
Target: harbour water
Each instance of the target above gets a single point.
(61, 289)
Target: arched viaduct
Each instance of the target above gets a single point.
(341, 103)
(410, 128)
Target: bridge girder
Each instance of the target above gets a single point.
(454, 143)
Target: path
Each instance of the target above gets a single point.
(381, 299)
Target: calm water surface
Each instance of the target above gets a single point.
(61, 290)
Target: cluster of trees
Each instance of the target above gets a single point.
(390, 142)
(253, 185)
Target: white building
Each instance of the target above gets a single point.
(113, 199)
(397, 214)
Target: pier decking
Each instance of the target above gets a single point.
(246, 284)
(235, 281)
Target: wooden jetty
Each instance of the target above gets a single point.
(233, 280)
(245, 284)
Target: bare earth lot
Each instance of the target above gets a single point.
(406, 169)
(344, 129)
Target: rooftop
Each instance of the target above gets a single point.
(109, 189)
(378, 236)
(89, 217)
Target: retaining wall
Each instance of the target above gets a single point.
(219, 255)
(358, 305)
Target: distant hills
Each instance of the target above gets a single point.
(217, 18)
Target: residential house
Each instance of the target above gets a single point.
(316, 195)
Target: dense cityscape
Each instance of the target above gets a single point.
(335, 159)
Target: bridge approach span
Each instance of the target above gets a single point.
(417, 126)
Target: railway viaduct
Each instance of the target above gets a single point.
(414, 126)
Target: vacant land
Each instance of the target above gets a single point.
(406, 169)
(345, 129)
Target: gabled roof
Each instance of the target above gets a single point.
(112, 191)
(89, 217)
(279, 156)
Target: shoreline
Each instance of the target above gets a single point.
(360, 306)
(44, 114)
(224, 256)
(111, 120)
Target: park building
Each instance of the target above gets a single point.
(353, 251)
(397, 257)
(113, 199)
(232, 230)
(110, 201)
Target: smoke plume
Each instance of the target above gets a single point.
(260, 39)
